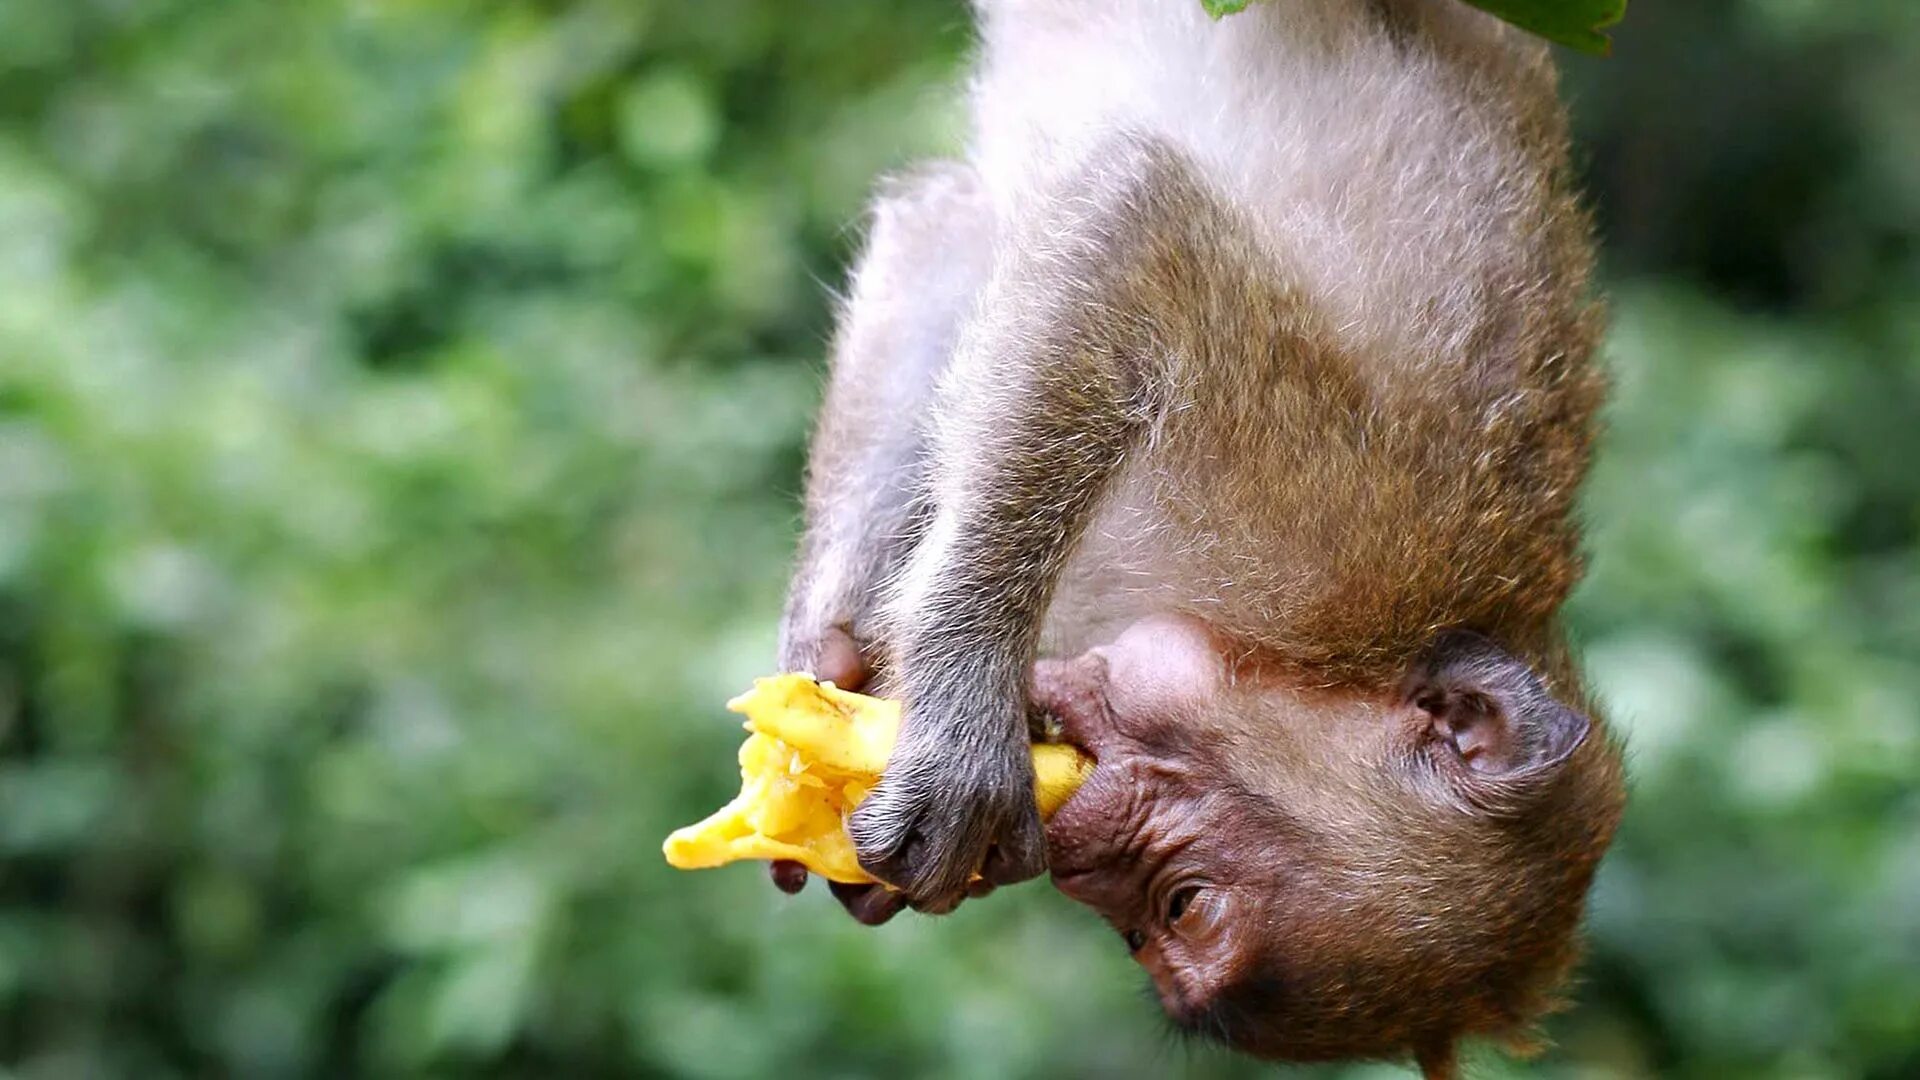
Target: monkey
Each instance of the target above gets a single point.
(1225, 406)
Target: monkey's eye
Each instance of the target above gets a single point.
(1178, 903)
(1136, 940)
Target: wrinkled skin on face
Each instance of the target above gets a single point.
(1315, 873)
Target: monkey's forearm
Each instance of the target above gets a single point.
(1021, 468)
(1056, 375)
(1059, 373)
(926, 256)
(1011, 498)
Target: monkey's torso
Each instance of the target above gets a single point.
(1396, 167)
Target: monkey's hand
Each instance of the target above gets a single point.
(832, 655)
(835, 656)
(956, 800)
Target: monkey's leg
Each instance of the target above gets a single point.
(927, 255)
(1057, 373)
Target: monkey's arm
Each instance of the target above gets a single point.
(1054, 380)
(927, 254)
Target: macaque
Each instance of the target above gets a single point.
(1226, 408)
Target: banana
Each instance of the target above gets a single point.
(814, 753)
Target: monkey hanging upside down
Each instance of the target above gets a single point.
(1227, 405)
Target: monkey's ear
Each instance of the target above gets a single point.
(1491, 709)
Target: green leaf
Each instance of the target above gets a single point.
(1576, 24)
(1217, 8)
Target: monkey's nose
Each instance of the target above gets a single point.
(1071, 696)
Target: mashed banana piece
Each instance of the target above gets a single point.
(815, 752)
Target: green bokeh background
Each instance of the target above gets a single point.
(401, 412)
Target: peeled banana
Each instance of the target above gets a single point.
(815, 752)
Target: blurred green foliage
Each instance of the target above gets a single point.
(401, 411)
(1578, 24)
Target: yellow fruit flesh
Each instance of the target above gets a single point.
(815, 752)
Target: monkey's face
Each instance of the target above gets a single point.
(1311, 874)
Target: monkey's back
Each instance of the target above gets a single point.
(1401, 159)
(1400, 164)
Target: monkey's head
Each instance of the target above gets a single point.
(1311, 874)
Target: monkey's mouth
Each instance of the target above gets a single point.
(1066, 701)
(1044, 725)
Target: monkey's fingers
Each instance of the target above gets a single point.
(897, 844)
(870, 905)
(841, 661)
(830, 654)
(838, 659)
(913, 841)
(788, 876)
(1020, 854)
